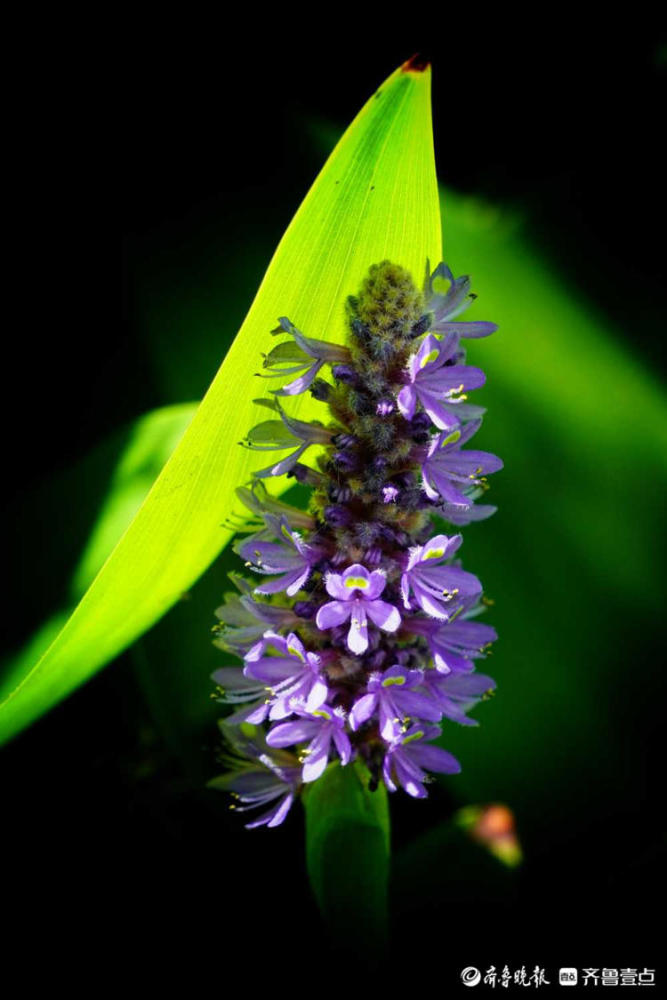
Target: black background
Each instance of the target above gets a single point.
(147, 134)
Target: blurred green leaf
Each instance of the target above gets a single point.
(150, 442)
(347, 853)
(570, 557)
(376, 197)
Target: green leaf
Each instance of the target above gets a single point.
(347, 854)
(375, 198)
(151, 440)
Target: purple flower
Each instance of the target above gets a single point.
(392, 695)
(277, 435)
(244, 621)
(258, 777)
(291, 557)
(444, 307)
(460, 516)
(454, 644)
(447, 470)
(436, 384)
(456, 694)
(258, 500)
(321, 727)
(440, 591)
(234, 688)
(295, 673)
(304, 355)
(407, 756)
(355, 594)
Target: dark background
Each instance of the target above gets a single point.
(190, 146)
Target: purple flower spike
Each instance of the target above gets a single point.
(355, 594)
(447, 471)
(406, 757)
(436, 384)
(444, 307)
(290, 556)
(293, 674)
(440, 591)
(321, 727)
(392, 695)
(332, 669)
(456, 694)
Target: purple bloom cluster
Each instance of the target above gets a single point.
(359, 631)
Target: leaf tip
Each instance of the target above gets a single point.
(417, 63)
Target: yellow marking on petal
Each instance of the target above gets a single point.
(454, 436)
(285, 531)
(296, 652)
(431, 356)
(434, 554)
(356, 583)
(389, 681)
(415, 736)
(322, 713)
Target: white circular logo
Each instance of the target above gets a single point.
(470, 976)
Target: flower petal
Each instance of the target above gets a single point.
(333, 613)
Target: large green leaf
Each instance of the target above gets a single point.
(376, 197)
